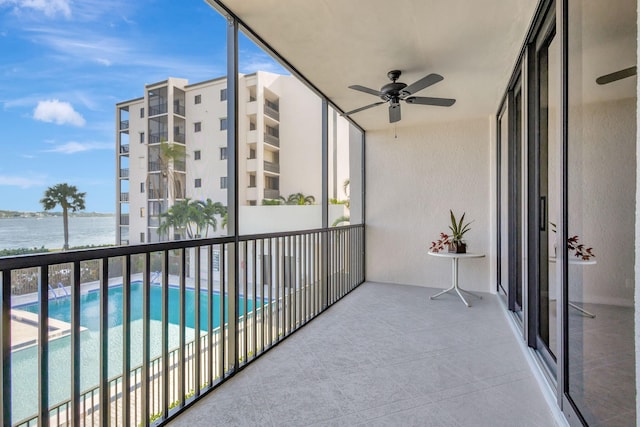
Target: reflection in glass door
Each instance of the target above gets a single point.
(601, 210)
(510, 189)
(545, 166)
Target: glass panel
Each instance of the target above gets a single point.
(280, 146)
(516, 207)
(601, 195)
(548, 205)
(504, 200)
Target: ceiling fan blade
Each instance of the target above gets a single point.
(394, 113)
(618, 75)
(425, 100)
(422, 83)
(357, 110)
(366, 90)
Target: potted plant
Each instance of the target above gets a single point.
(578, 249)
(455, 242)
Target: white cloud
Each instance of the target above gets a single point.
(103, 61)
(48, 7)
(60, 113)
(21, 181)
(78, 147)
(251, 62)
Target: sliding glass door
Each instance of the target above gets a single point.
(601, 207)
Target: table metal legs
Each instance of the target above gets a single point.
(454, 285)
(582, 310)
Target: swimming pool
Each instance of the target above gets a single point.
(25, 361)
(60, 308)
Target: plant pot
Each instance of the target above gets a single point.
(458, 248)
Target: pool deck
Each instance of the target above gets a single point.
(24, 329)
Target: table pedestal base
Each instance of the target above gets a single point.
(454, 286)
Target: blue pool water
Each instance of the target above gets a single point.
(25, 361)
(90, 309)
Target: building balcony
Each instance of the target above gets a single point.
(157, 138)
(252, 165)
(124, 172)
(124, 124)
(154, 194)
(386, 355)
(252, 107)
(179, 137)
(383, 354)
(179, 109)
(124, 219)
(271, 112)
(179, 165)
(182, 366)
(270, 193)
(252, 137)
(252, 193)
(124, 149)
(124, 197)
(158, 109)
(271, 167)
(154, 221)
(153, 166)
(272, 140)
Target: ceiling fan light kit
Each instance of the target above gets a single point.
(396, 91)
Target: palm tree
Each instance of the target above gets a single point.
(204, 215)
(340, 220)
(170, 155)
(300, 199)
(68, 197)
(176, 217)
(165, 185)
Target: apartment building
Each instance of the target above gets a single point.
(172, 144)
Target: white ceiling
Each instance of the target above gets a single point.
(473, 44)
(338, 43)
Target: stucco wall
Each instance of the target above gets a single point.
(412, 182)
(602, 169)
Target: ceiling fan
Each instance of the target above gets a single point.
(396, 91)
(617, 75)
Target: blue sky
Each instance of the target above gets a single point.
(66, 63)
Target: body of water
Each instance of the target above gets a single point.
(49, 232)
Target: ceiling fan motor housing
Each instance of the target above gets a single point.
(392, 90)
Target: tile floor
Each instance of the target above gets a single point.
(386, 355)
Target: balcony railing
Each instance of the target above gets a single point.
(270, 193)
(271, 167)
(154, 221)
(286, 278)
(180, 165)
(157, 138)
(272, 140)
(124, 124)
(158, 109)
(124, 149)
(154, 194)
(153, 166)
(124, 172)
(124, 219)
(124, 197)
(179, 137)
(179, 109)
(271, 112)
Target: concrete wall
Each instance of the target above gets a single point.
(412, 182)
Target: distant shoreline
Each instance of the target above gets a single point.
(17, 214)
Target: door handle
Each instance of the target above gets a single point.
(543, 213)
